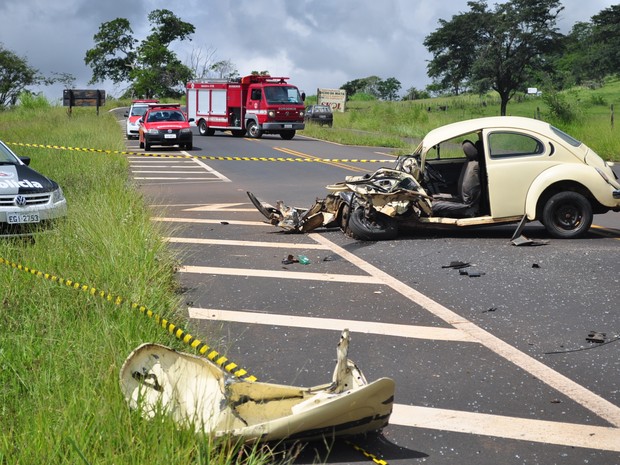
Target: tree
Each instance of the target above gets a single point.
(606, 35)
(506, 46)
(15, 76)
(388, 89)
(150, 66)
(453, 46)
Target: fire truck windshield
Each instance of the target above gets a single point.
(282, 94)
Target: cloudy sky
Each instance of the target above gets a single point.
(318, 43)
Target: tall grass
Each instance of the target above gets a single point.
(61, 349)
(583, 112)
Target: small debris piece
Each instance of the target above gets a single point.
(302, 259)
(522, 240)
(492, 309)
(289, 260)
(457, 265)
(471, 274)
(595, 336)
(224, 222)
(535, 265)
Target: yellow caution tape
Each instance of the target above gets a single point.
(367, 454)
(180, 334)
(205, 157)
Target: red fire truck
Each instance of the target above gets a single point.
(255, 104)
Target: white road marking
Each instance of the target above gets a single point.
(284, 274)
(176, 178)
(601, 407)
(275, 245)
(523, 429)
(357, 326)
(228, 207)
(169, 172)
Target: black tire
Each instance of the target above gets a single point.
(141, 145)
(380, 228)
(287, 135)
(254, 131)
(204, 130)
(567, 215)
(147, 146)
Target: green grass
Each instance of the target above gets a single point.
(61, 348)
(401, 125)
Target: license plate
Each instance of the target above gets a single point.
(170, 136)
(288, 126)
(19, 218)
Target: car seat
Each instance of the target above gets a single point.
(466, 203)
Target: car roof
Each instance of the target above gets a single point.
(460, 128)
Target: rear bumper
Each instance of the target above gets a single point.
(616, 193)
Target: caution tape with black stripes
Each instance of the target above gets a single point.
(203, 157)
(181, 334)
(201, 347)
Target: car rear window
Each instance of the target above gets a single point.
(565, 137)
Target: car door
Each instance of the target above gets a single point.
(513, 160)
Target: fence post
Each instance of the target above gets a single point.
(612, 116)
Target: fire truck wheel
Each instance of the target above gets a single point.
(287, 135)
(254, 131)
(204, 130)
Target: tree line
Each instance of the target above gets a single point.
(504, 48)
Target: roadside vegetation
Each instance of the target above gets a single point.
(61, 348)
(583, 112)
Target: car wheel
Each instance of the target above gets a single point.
(379, 228)
(287, 135)
(567, 215)
(141, 144)
(204, 130)
(254, 131)
(147, 146)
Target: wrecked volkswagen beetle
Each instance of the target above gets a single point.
(478, 172)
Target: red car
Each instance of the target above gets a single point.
(165, 124)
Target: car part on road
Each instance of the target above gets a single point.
(198, 393)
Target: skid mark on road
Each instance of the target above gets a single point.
(357, 326)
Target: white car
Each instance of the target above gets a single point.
(483, 171)
(136, 111)
(27, 198)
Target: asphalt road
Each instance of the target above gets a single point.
(490, 369)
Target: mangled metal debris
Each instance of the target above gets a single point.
(469, 174)
(199, 394)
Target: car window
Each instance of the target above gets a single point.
(513, 144)
(138, 111)
(565, 137)
(451, 148)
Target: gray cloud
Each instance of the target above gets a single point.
(318, 43)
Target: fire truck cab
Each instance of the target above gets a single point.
(255, 104)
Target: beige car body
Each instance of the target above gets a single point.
(516, 184)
